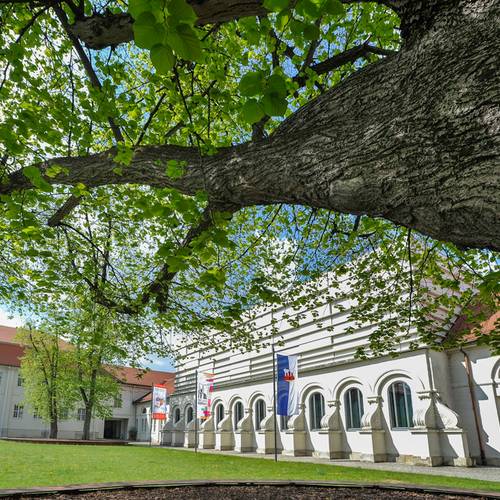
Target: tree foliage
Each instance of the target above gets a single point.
(46, 369)
(144, 234)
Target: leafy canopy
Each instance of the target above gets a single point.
(209, 86)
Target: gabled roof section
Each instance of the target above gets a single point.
(7, 334)
(11, 354)
(469, 332)
(141, 377)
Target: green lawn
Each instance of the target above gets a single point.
(27, 464)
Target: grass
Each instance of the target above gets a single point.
(23, 465)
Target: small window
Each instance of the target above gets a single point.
(238, 413)
(219, 414)
(353, 400)
(20, 380)
(18, 411)
(400, 406)
(81, 414)
(316, 410)
(117, 402)
(0, 378)
(63, 413)
(260, 413)
(177, 415)
(189, 414)
(36, 414)
(283, 423)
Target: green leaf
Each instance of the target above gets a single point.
(311, 32)
(175, 169)
(252, 111)
(274, 104)
(333, 7)
(252, 84)
(162, 58)
(55, 170)
(137, 7)
(124, 155)
(182, 12)
(308, 8)
(277, 84)
(35, 177)
(183, 40)
(147, 32)
(276, 5)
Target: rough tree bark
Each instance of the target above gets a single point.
(413, 138)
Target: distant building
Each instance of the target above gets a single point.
(131, 411)
(422, 407)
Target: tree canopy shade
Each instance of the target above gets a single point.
(190, 159)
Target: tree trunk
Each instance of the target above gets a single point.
(87, 421)
(414, 138)
(53, 429)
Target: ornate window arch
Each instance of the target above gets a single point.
(189, 414)
(238, 412)
(219, 413)
(260, 412)
(400, 405)
(177, 415)
(316, 410)
(353, 405)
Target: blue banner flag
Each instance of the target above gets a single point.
(288, 391)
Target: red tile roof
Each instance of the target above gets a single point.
(464, 329)
(7, 334)
(11, 352)
(145, 378)
(145, 399)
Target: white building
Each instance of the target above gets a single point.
(422, 407)
(131, 411)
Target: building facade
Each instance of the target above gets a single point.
(131, 412)
(421, 407)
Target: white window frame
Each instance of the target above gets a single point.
(314, 421)
(18, 411)
(260, 413)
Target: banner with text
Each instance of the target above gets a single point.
(204, 395)
(160, 409)
(288, 391)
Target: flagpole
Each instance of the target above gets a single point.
(196, 413)
(151, 413)
(274, 408)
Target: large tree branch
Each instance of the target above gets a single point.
(413, 138)
(108, 29)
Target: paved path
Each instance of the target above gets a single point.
(481, 473)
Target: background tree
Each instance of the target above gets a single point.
(102, 342)
(46, 369)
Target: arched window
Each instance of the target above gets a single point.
(238, 413)
(353, 400)
(260, 413)
(189, 414)
(316, 410)
(219, 414)
(400, 406)
(177, 415)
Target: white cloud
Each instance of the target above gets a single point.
(7, 319)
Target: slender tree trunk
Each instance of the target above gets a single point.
(87, 421)
(53, 428)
